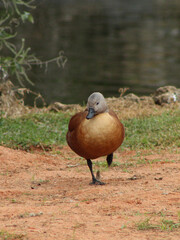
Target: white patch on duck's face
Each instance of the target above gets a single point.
(97, 102)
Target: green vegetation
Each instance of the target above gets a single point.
(44, 130)
(16, 59)
(154, 131)
(49, 129)
(10, 236)
(146, 225)
(163, 225)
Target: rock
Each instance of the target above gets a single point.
(57, 106)
(132, 97)
(147, 100)
(178, 94)
(167, 94)
(165, 98)
(164, 89)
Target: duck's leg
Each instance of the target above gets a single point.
(109, 159)
(94, 180)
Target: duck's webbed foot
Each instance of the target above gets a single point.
(94, 180)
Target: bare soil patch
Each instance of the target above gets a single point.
(48, 196)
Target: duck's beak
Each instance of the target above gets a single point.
(91, 113)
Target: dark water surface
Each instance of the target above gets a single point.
(109, 45)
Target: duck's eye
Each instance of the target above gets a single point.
(97, 103)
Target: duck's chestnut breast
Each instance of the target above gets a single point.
(98, 136)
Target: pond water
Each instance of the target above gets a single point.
(108, 45)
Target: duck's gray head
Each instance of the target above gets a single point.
(96, 104)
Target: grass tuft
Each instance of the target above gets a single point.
(4, 235)
(145, 225)
(164, 225)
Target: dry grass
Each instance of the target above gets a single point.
(12, 104)
(12, 100)
(128, 109)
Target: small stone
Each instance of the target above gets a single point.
(132, 97)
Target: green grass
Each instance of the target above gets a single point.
(49, 129)
(163, 225)
(145, 225)
(45, 129)
(4, 235)
(154, 131)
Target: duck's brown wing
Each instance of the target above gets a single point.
(112, 113)
(74, 124)
(76, 120)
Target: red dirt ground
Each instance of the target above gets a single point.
(48, 196)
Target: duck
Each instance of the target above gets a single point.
(95, 132)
